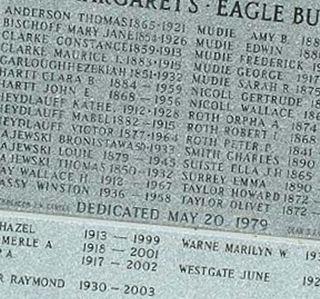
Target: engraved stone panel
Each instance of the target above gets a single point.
(60, 257)
(183, 113)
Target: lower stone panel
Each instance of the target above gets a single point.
(59, 257)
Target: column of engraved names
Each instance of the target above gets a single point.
(269, 107)
(31, 113)
(210, 102)
(105, 70)
(89, 146)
